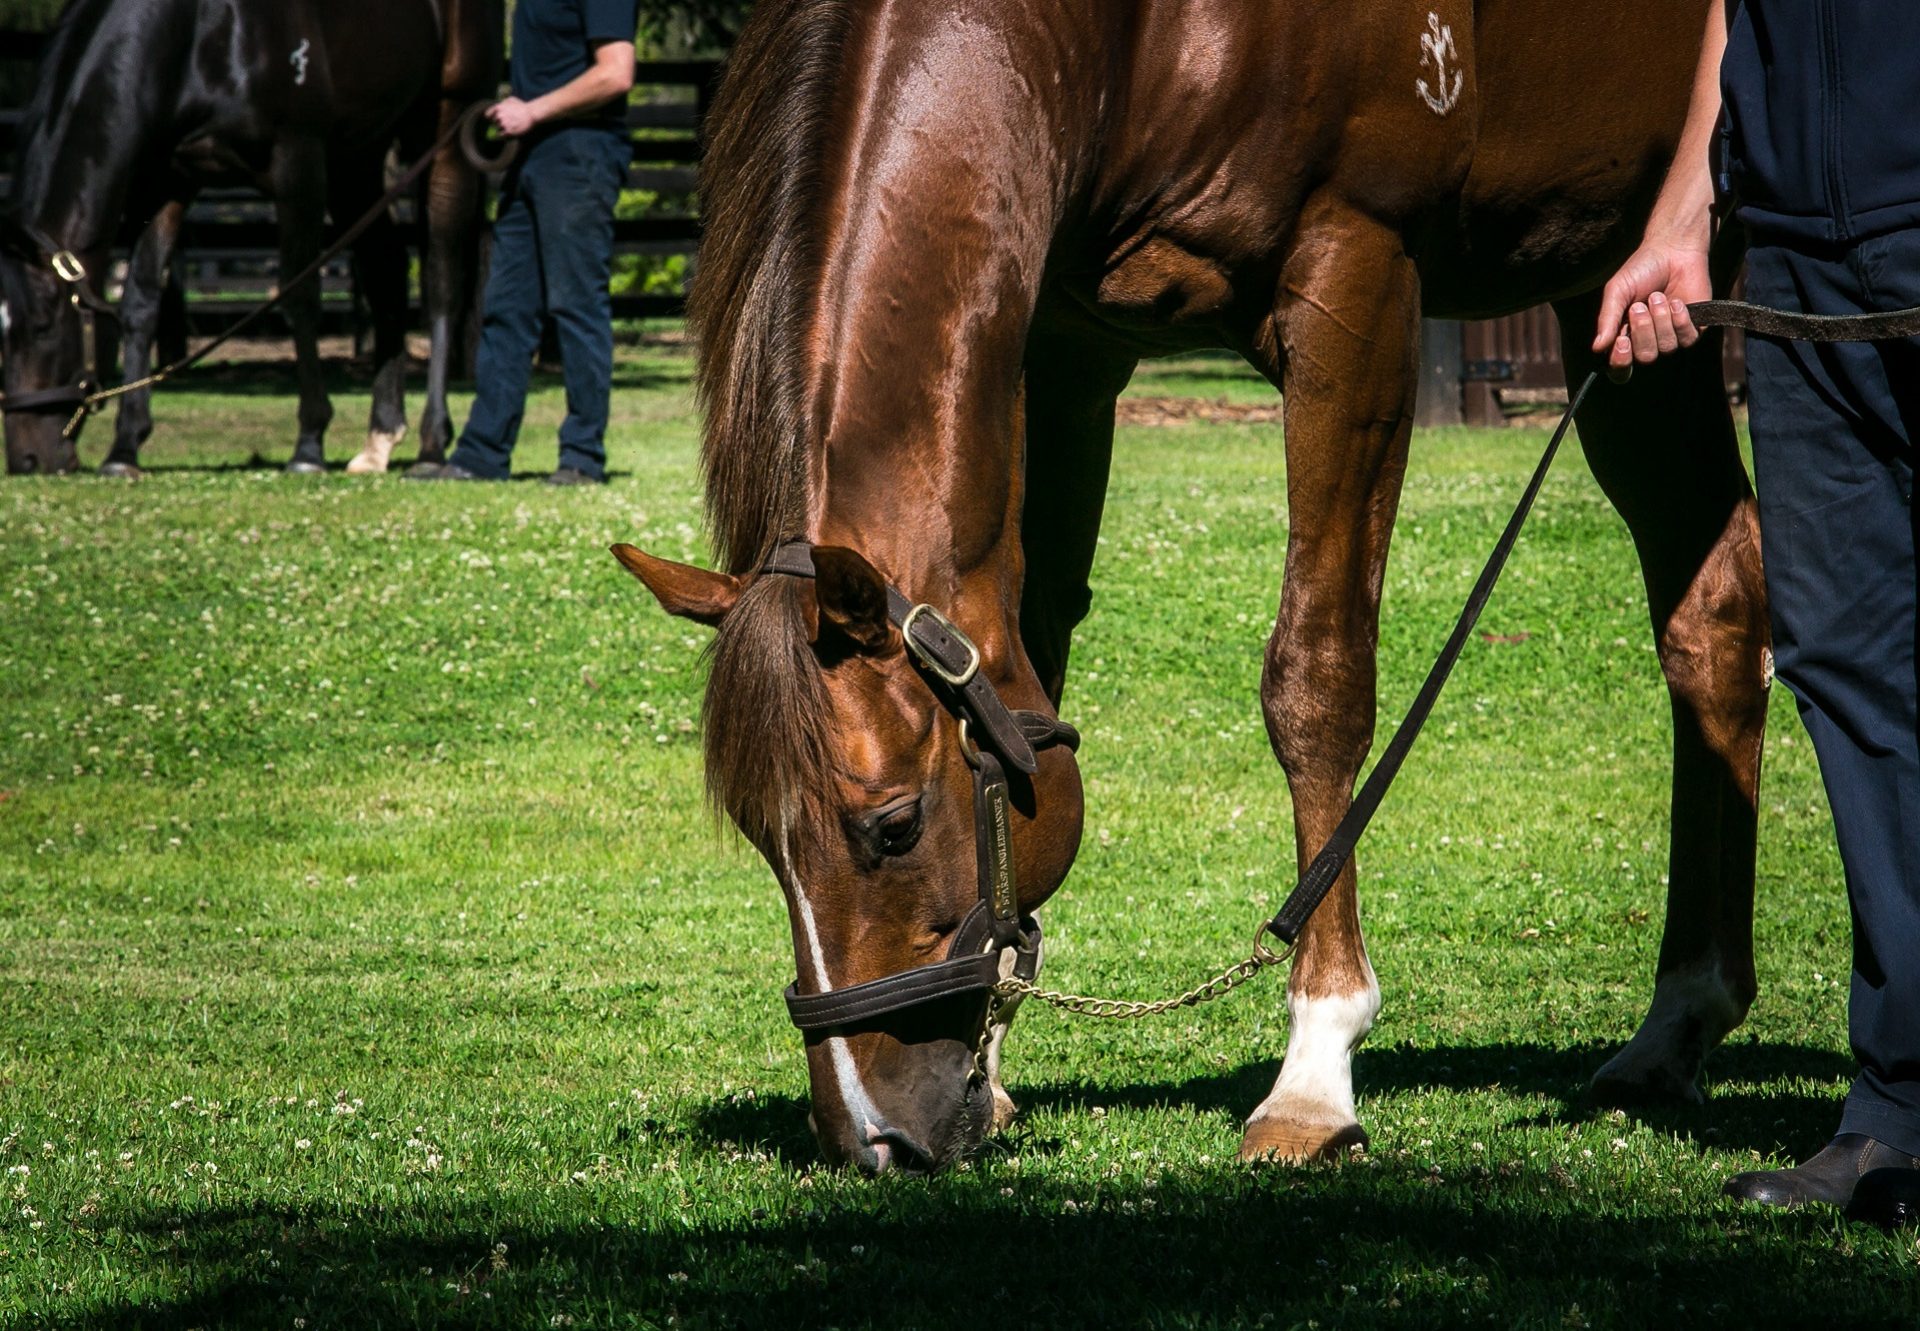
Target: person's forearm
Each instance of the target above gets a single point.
(1684, 209)
(610, 77)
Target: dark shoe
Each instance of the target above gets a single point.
(443, 471)
(1829, 1178)
(574, 476)
(1889, 1198)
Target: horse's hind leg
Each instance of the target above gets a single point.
(1348, 320)
(380, 263)
(1663, 448)
(299, 184)
(140, 319)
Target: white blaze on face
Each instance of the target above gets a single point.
(853, 1092)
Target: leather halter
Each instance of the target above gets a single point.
(66, 266)
(992, 737)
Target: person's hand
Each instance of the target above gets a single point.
(1643, 312)
(513, 116)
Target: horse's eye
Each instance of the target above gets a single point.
(896, 827)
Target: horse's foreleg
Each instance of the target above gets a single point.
(454, 222)
(380, 263)
(1663, 448)
(299, 183)
(140, 319)
(1070, 392)
(1347, 326)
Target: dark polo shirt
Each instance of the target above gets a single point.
(1821, 140)
(553, 43)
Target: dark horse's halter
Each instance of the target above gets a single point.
(72, 274)
(993, 738)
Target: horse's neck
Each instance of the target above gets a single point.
(88, 139)
(933, 248)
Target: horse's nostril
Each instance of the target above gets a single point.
(888, 1150)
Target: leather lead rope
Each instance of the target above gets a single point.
(1325, 869)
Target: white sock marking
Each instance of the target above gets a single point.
(1316, 1080)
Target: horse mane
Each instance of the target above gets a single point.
(765, 719)
(66, 44)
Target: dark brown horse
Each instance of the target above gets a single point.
(143, 103)
(940, 237)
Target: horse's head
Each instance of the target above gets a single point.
(836, 745)
(42, 350)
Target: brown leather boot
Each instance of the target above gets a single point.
(1830, 1177)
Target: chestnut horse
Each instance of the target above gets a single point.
(143, 103)
(941, 235)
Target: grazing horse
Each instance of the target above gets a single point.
(143, 103)
(939, 238)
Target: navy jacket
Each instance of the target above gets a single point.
(1821, 140)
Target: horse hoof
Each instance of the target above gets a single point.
(373, 459)
(119, 471)
(1625, 1083)
(1004, 1110)
(305, 467)
(1286, 1142)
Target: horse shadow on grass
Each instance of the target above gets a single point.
(1762, 1097)
(1374, 1245)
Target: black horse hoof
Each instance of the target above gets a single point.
(305, 467)
(119, 471)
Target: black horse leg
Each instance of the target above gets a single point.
(140, 319)
(380, 263)
(454, 200)
(300, 195)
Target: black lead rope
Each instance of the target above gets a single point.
(1320, 876)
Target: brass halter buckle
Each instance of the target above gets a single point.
(67, 266)
(955, 679)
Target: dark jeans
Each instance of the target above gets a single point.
(1833, 431)
(552, 254)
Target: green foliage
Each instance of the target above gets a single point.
(29, 15)
(367, 957)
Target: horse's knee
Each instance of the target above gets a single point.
(1318, 699)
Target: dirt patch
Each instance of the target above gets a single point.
(1180, 410)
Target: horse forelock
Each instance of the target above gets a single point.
(769, 755)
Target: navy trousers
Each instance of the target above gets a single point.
(1833, 431)
(552, 258)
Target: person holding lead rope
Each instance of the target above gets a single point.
(1797, 125)
(572, 65)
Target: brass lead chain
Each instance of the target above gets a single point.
(1123, 1009)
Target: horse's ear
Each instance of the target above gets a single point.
(691, 593)
(852, 598)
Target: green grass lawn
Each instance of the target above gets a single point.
(367, 956)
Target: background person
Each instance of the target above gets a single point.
(572, 64)
(1819, 150)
